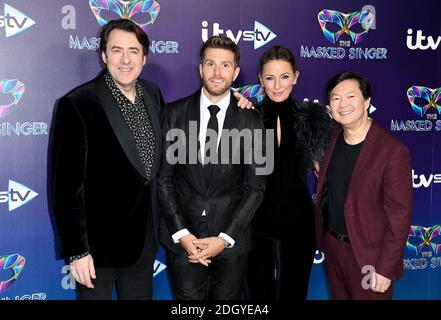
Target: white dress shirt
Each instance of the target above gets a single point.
(204, 118)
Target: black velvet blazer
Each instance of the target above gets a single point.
(100, 199)
(231, 197)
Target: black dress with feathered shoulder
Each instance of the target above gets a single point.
(284, 237)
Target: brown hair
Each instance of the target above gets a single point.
(221, 42)
(277, 53)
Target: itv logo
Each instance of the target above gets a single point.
(422, 180)
(261, 35)
(14, 21)
(418, 43)
(17, 195)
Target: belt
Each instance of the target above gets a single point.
(339, 236)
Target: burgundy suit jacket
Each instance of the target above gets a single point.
(378, 203)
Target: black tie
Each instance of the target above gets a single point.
(213, 125)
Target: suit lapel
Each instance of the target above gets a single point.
(119, 125)
(366, 149)
(193, 114)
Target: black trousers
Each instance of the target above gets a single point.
(132, 283)
(279, 269)
(223, 279)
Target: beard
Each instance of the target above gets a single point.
(219, 90)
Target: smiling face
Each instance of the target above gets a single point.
(124, 58)
(278, 78)
(218, 71)
(348, 106)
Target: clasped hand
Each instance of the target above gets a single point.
(201, 250)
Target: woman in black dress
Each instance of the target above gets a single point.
(281, 260)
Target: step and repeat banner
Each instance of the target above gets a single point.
(48, 47)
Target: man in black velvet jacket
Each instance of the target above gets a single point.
(207, 208)
(105, 153)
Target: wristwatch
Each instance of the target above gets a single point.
(226, 244)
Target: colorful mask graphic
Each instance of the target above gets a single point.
(334, 24)
(420, 237)
(15, 263)
(422, 99)
(252, 91)
(14, 88)
(143, 12)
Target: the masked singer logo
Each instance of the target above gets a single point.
(12, 87)
(143, 12)
(345, 31)
(334, 24)
(422, 237)
(422, 99)
(15, 263)
(426, 103)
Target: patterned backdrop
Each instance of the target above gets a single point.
(49, 47)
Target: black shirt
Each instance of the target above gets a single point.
(340, 170)
(138, 120)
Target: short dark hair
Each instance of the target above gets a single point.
(220, 42)
(128, 26)
(277, 53)
(363, 83)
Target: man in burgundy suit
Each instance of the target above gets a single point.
(364, 197)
